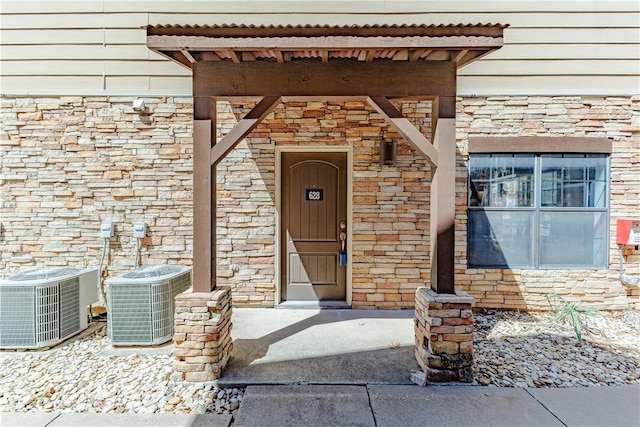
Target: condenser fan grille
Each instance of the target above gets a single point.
(40, 308)
(141, 310)
(69, 307)
(17, 316)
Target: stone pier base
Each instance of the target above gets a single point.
(444, 336)
(202, 334)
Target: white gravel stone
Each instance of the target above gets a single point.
(76, 377)
(511, 349)
(529, 350)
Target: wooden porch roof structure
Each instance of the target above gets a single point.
(372, 63)
(461, 44)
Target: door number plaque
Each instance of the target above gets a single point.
(314, 194)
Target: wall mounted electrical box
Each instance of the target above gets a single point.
(628, 232)
(139, 230)
(106, 230)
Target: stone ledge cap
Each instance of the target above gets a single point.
(460, 297)
(216, 293)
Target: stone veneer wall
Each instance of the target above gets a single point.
(68, 163)
(390, 220)
(617, 118)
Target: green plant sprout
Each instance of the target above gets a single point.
(579, 315)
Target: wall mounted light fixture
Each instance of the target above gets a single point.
(388, 153)
(139, 106)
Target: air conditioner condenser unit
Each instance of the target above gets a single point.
(42, 307)
(141, 304)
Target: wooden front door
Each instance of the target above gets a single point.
(314, 215)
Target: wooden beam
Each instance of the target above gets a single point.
(438, 55)
(338, 77)
(247, 56)
(178, 57)
(325, 55)
(416, 54)
(188, 55)
(443, 209)
(204, 196)
(371, 54)
(278, 54)
(401, 55)
(458, 58)
(408, 131)
(540, 144)
(209, 56)
(473, 56)
(243, 128)
(177, 42)
(233, 56)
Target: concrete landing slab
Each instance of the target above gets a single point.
(26, 419)
(334, 346)
(398, 406)
(305, 406)
(593, 406)
(140, 420)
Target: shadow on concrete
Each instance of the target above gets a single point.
(321, 347)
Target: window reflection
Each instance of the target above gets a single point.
(529, 211)
(501, 180)
(573, 180)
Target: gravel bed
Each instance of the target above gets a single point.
(75, 378)
(512, 349)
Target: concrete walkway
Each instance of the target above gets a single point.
(336, 346)
(352, 368)
(386, 406)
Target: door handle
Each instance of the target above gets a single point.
(343, 244)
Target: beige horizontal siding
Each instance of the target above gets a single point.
(45, 38)
(545, 85)
(91, 85)
(551, 47)
(520, 20)
(513, 36)
(310, 6)
(93, 68)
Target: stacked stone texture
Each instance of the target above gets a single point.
(202, 334)
(68, 163)
(616, 118)
(444, 335)
(390, 222)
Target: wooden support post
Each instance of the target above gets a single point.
(204, 195)
(443, 192)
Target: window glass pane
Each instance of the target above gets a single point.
(500, 239)
(573, 180)
(572, 239)
(501, 180)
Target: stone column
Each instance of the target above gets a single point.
(202, 334)
(444, 336)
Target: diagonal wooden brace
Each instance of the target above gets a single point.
(408, 131)
(243, 128)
